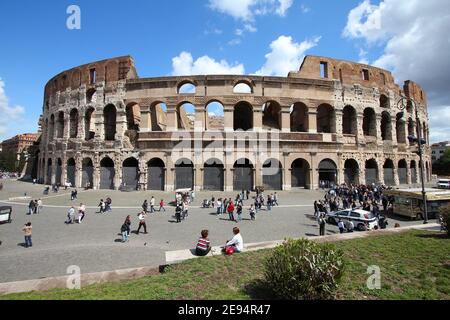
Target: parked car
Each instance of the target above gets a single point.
(443, 184)
(5, 214)
(362, 220)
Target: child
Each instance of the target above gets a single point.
(203, 244)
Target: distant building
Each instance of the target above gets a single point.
(19, 143)
(438, 150)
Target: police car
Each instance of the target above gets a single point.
(362, 220)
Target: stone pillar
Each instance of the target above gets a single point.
(314, 173)
(170, 174)
(380, 172)
(96, 175)
(198, 177)
(78, 171)
(146, 121)
(312, 120)
(66, 129)
(257, 119)
(378, 128)
(45, 171)
(362, 174)
(258, 180)
(200, 119)
(117, 176)
(359, 125)
(285, 119)
(408, 174)
(396, 177)
(228, 118)
(394, 130)
(286, 172)
(81, 126)
(54, 164)
(338, 121)
(172, 118)
(340, 169)
(63, 170)
(229, 172)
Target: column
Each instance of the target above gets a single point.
(172, 118)
(359, 126)
(229, 171)
(338, 121)
(228, 118)
(78, 171)
(312, 120)
(170, 174)
(198, 177)
(257, 119)
(285, 119)
(314, 173)
(258, 180)
(394, 130)
(378, 128)
(96, 175)
(53, 178)
(200, 119)
(396, 177)
(146, 121)
(408, 173)
(46, 171)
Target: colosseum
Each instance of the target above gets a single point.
(332, 121)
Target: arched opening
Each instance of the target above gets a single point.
(386, 126)
(74, 123)
(133, 112)
(186, 116)
(60, 126)
(403, 171)
(400, 128)
(242, 87)
(300, 174)
(107, 173)
(271, 115)
(299, 117)
(87, 173)
(49, 171)
(213, 175)
(215, 117)
(272, 175)
(130, 174)
(243, 175)
(413, 168)
(370, 123)
(52, 128)
(243, 117)
(389, 172)
(156, 178)
(91, 96)
(110, 119)
(351, 172)
(89, 132)
(327, 173)
(411, 127)
(349, 123)
(184, 174)
(187, 88)
(371, 172)
(384, 101)
(71, 171)
(326, 119)
(159, 116)
(58, 176)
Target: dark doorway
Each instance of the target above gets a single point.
(272, 175)
(156, 175)
(107, 173)
(300, 174)
(184, 174)
(213, 175)
(130, 174)
(243, 175)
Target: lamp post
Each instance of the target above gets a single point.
(402, 105)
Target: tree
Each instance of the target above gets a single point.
(442, 166)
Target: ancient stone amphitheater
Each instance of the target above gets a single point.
(330, 122)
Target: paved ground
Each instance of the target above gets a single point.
(94, 246)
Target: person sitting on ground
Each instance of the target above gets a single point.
(236, 243)
(341, 226)
(203, 244)
(70, 215)
(350, 226)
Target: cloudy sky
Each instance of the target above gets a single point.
(267, 37)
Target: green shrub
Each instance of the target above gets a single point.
(305, 270)
(445, 214)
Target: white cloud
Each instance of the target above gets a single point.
(415, 40)
(304, 9)
(9, 114)
(246, 10)
(439, 124)
(285, 56)
(234, 42)
(184, 64)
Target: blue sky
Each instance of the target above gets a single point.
(234, 35)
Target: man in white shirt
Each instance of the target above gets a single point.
(237, 242)
(142, 223)
(152, 205)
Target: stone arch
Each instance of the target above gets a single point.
(384, 100)
(184, 174)
(326, 117)
(349, 120)
(158, 111)
(70, 171)
(243, 87)
(402, 171)
(243, 116)
(73, 123)
(351, 172)
(60, 125)
(386, 126)
(243, 177)
(58, 175)
(272, 171)
(110, 120)
(130, 174)
(371, 173)
(327, 170)
(370, 122)
(300, 174)
(185, 116)
(107, 173)
(215, 116)
(156, 174)
(271, 115)
(299, 117)
(91, 96)
(89, 132)
(87, 173)
(133, 113)
(213, 175)
(49, 170)
(389, 177)
(400, 128)
(187, 87)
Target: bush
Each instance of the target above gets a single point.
(303, 269)
(445, 214)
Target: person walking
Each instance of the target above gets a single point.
(28, 230)
(152, 205)
(31, 207)
(275, 199)
(81, 212)
(125, 230)
(239, 212)
(185, 210)
(161, 205)
(252, 212)
(145, 206)
(203, 244)
(269, 202)
(322, 224)
(230, 210)
(70, 215)
(178, 210)
(141, 217)
(219, 206)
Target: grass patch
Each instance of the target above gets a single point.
(414, 265)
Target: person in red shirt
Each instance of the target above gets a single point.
(230, 210)
(203, 244)
(161, 205)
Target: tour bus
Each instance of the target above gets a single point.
(443, 184)
(408, 202)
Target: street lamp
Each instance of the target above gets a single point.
(402, 105)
